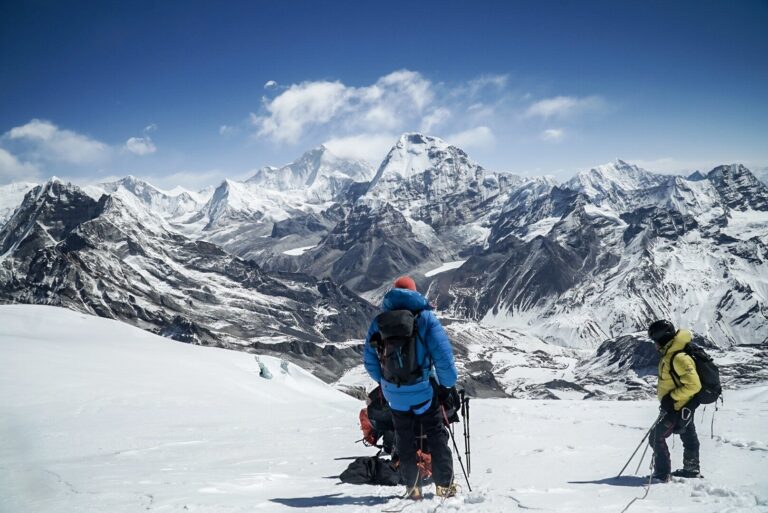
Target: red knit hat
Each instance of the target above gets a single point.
(405, 282)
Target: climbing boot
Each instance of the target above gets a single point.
(446, 491)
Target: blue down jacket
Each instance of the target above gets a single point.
(437, 354)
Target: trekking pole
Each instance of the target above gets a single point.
(642, 457)
(455, 448)
(464, 428)
(647, 434)
(468, 440)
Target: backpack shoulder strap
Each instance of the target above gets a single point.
(427, 362)
(672, 371)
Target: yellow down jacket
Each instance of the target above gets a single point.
(688, 384)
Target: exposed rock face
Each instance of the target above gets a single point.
(367, 248)
(739, 188)
(48, 214)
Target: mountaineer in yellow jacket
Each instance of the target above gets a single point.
(678, 384)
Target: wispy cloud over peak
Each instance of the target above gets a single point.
(435, 118)
(477, 85)
(301, 105)
(553, 134)
(370, 147)
(11, 169)
(563, 106)
(389, 102)
(475, 138)
(367, 115)
(140, 146)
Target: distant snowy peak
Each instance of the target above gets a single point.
(168, 204)
(739, 188)
(413, 154)
(421, 168)
(229, 197)
(320, 173)
(11, 196)
(234, 201)
(608, 179)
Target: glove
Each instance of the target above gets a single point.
(449, 398)
(445, 395)
(668, 404)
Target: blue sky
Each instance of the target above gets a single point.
(190, 92)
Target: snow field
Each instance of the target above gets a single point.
(98, 416)
(448, 266)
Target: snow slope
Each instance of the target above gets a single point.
(98, 416)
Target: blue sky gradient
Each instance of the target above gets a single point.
(529, 87)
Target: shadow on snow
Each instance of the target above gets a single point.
(617, 481)
(335, 499)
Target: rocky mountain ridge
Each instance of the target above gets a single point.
(115, 259)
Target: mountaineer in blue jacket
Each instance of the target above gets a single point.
(405, 375)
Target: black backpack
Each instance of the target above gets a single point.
(709, 374)
(398, 335)
(371, 470)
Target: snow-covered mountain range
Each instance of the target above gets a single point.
(282, 257)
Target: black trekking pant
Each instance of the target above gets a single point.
(407, 427)
(674, 423)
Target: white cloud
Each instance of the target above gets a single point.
(140, 146)
(480, 111)
(553, 134)
(228, 130)
(437, 117)
(482, 82)
(474, 138)
(300, 105)
(270, 84)
(563, 106)
(370, 147)
(408, 84)
(49, 142)
(381, 117)
(11, 169)
(150, 128)
(388, 104)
